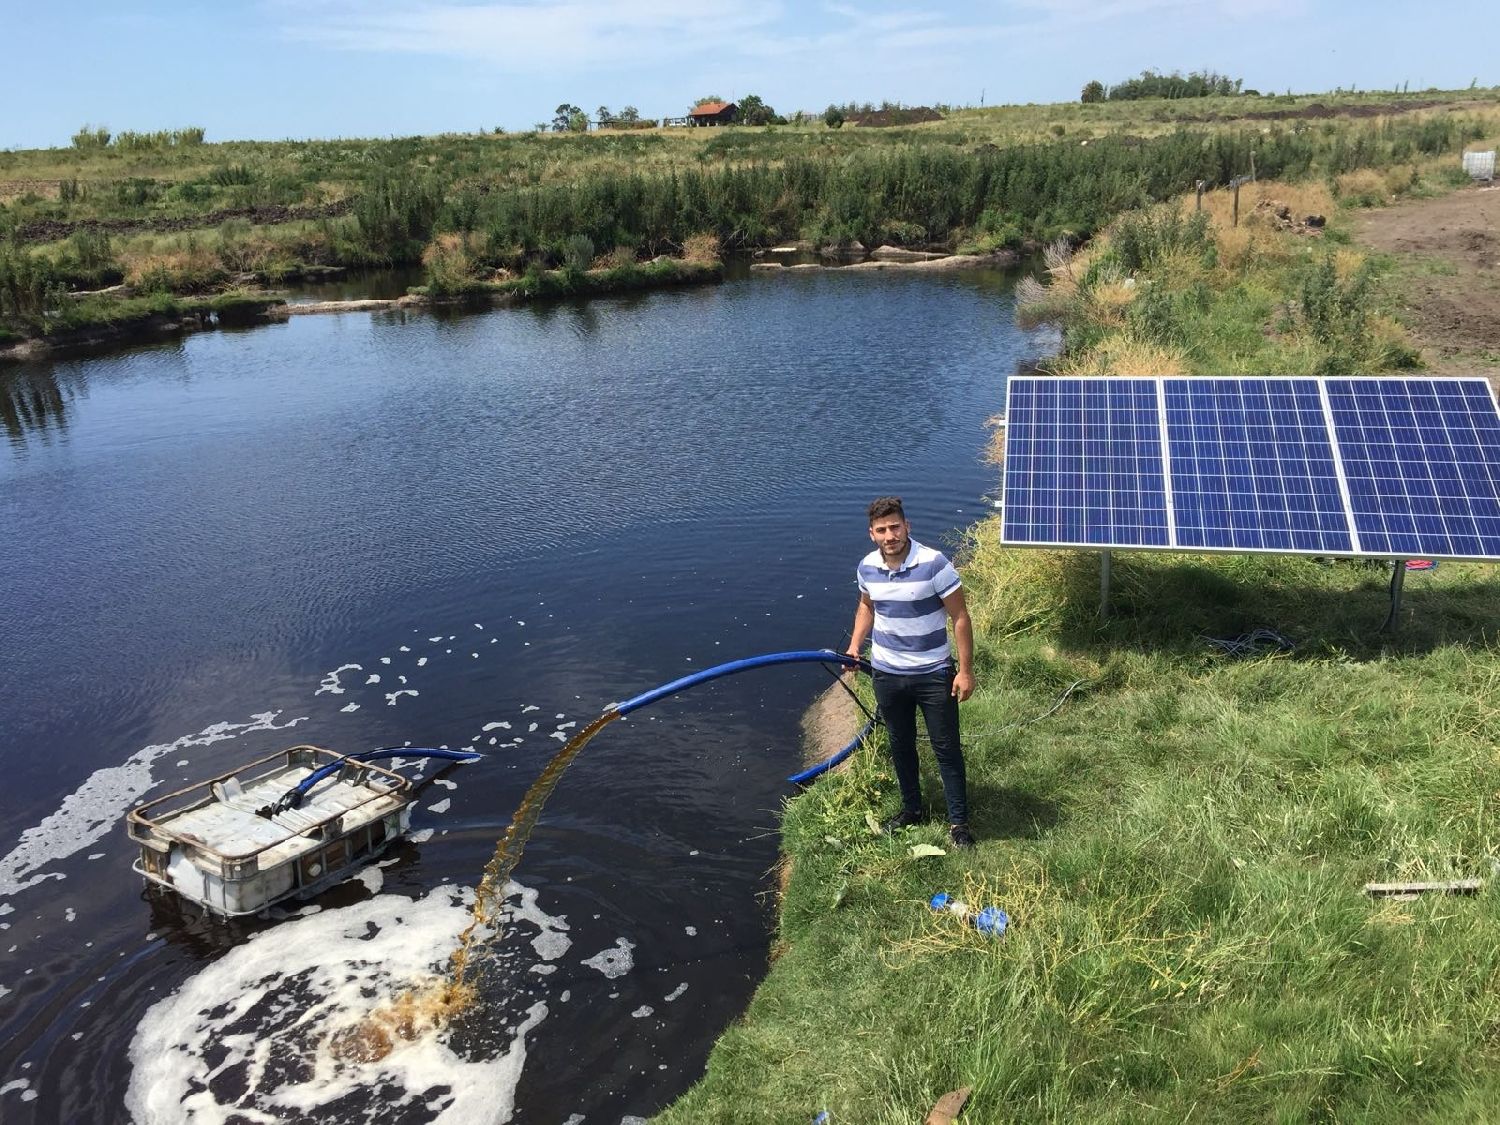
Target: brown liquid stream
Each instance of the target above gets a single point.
(418, 1010)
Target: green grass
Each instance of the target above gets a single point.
(1181, 847)
(977, 180)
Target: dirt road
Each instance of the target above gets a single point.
(1447, 253)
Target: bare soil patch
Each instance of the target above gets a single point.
(828, 725)
(1447, 253)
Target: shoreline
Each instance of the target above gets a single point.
(252, 309)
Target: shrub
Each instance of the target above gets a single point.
(1139, 240)
(577, 253)
(701, 247)
(450, 265)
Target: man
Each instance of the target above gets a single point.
(907, 594)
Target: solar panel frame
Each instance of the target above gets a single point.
(1098, 473)
(1460, 492)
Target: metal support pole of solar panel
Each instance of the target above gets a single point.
(1398, 580)
(1201, 185)
(1104, 561)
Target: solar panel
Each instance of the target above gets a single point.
(1252, 466)
(1421, 458)
(1386, 467)
(1088, 463)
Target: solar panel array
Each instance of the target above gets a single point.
(1396, 468)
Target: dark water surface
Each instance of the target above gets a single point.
(527, 514)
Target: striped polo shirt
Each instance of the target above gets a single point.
(911, 626)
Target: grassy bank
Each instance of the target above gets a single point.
(1182, 843)
(1181, 846)
(194, 217)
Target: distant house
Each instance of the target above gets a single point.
(713, 113)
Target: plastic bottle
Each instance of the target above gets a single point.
(991, 920)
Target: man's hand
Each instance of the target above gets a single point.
(963, 685)
(850, 669)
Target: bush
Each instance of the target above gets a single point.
(1140, 240)
(577, 253)
(29, 289)
(450, 265)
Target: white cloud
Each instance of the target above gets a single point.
(536, 37)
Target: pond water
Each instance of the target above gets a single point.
(468, 530)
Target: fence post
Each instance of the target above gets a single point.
(1236, 221)
(1252, 167)
(1200, 195)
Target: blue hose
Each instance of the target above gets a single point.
(814, 656)
(817, 770)
(293, 797)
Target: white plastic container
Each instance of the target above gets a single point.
(217, 844)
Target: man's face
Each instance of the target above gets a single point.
(891, 534)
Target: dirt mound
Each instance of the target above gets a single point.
(1446, 252)
(884, 118)
(1274, 213)
(1317, 111)
(51, 230)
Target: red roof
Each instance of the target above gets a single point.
(710, 109)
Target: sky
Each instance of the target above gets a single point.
(271, 69)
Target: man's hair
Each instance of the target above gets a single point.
(883, 506)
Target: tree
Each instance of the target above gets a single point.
(630, 115)
(833, 117)
(753, 111)
(705, 101)
(1093, 91)
(562, 119)
(603, 115)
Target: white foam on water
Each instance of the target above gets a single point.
(4, 992)
(676, 992)
(392, 696)
(348, 707)
(405, 648)
(576, 1119)
(373, 878)
(94, 809)
(385, 660)
(642, 1012)
(440, 806)
(434, 640)
(21, 1086)
(691, 931)
(497, 726)
(245, 1039)
(530, 707)
(615, 961)
(374, 679)
(420, 836)
(331, 683)
(444, 782)
(477, 625)
(421, 661)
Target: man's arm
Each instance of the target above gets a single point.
(864, 621)
(963, 638)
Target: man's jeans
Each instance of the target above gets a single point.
(898, 698)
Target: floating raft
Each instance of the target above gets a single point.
(220, 844)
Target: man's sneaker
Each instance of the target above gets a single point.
(904, 819)
(961, 836)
